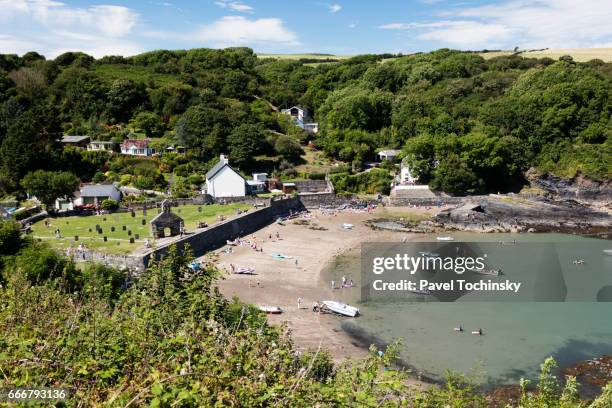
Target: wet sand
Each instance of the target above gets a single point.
(282, 282)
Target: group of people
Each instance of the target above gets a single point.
(345, 283)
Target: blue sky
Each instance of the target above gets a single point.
(103, 27)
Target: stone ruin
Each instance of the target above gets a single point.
(166, 219)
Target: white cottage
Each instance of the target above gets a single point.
(223, 181)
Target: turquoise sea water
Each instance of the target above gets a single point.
(518, 336)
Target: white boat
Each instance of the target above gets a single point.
(271, 309)
(245, 271)
(420, 291)
(490, 272)
(429, 254)
(446, 238)
(347, 226)
(340, 308)
(607, 252)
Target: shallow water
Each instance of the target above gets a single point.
(518, 336)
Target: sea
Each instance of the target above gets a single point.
(517, 335)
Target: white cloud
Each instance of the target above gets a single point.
(353, 25)
(235, 6)
(528, 24)
(239, 30)
(334, 8)
(51, 27)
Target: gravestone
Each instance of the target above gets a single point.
(124, 228)
(143, 222)
(131, 240)
(76, 237)
(100, 231)
(113, 228)
(105, 238)
(129, 233)
(136, 236)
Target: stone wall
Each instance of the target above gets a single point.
(216, 236)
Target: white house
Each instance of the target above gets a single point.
(89, 194)
(100, 146)
(137, 147)
(94, 194)
(389, 154)
(301, 116)
(223, 181)
(296, 112)
(406, 176)
(258, 184)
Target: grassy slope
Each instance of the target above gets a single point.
(71, 226)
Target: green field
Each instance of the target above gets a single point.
(118, 240)
(112, 72)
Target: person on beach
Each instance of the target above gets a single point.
(277, 235)
(343, 281)
(333, 284)
(299, 302)
(296, 262)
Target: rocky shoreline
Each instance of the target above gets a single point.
(512, 213)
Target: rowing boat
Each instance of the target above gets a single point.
(340, 308)
(271, 309)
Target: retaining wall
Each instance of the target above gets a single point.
(216, 236)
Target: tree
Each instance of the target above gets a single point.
(48, 186)
(244, 142)
(455, 177)
(150, 123)
(124, 96)
(288, 148)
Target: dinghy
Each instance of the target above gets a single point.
(245, 271)
(446, 238)
(490, 272)
(347, 226)
(429, 254)
(339, 308)
(420, 291)
(279, 256)
(271, 309)
(607, 252)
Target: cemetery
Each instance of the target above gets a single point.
(123, 232)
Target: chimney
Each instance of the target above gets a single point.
(223, 159)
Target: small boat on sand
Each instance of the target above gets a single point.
(347, 226)
(445, 238)
(338, 308)
(271, 309)
(232, 243)
(245, 271)
(279, 256)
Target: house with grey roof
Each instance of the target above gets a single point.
(94, 194)
(223, 181)
(75, 141)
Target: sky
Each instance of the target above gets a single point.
(340, 27)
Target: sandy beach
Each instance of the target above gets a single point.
(282, 282)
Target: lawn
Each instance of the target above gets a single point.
(118, 240)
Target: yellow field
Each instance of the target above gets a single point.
(578, 54)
